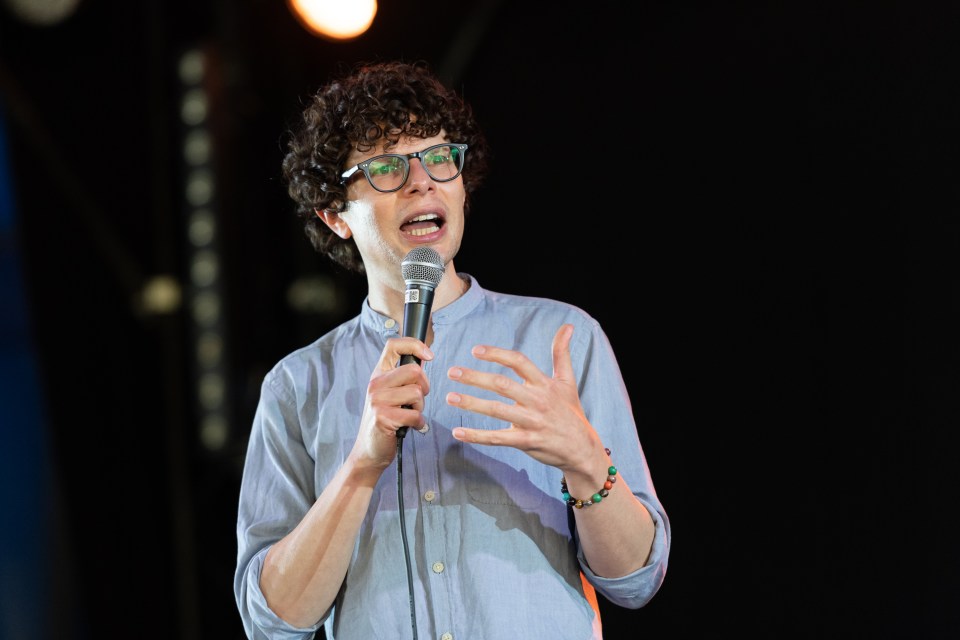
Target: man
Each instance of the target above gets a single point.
(514, 512)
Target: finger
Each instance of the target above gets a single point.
(398, 417)
(408, 395)
(390, 408)
(397, 347)
(406, 385)
(511, 413)
(498, 383)
(515, 360)
(562, 364)
(509, 437)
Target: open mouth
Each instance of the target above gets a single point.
(423, 225)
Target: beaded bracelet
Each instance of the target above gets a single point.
(578, 503)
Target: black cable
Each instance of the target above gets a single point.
(403, 534)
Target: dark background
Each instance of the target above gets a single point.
(758, 201)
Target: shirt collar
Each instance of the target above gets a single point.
(449, 314)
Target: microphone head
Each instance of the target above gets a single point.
(422, 266)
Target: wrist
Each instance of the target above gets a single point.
(581, 495)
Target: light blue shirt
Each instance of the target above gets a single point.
(492, 545)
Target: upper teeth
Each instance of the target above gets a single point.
(426, 216)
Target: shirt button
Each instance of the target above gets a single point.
(389, 323)
(446, 636)
(438, 567)
(429, 496)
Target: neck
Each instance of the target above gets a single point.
(387, 297)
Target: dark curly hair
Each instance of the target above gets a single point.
(375, 102)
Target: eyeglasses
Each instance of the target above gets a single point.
(387, 173)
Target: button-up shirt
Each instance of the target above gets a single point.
(493, 549)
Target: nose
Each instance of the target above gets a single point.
(418, 179)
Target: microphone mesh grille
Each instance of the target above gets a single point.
(424, 266)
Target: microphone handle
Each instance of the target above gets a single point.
(406, 359)
(416, 316)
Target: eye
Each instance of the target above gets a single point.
(385, 166)
(440, 156)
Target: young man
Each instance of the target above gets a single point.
(522, 485)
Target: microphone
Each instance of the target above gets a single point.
(422, 271)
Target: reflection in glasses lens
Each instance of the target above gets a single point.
(388, 172)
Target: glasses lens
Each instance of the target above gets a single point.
(387, 172)
(443, 162)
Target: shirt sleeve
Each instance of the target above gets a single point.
(604, 397)
(273, 499)
(259, 621)
(636, 589)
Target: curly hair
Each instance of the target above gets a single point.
(377, 102)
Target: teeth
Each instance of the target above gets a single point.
(423, 232)
(424, 218)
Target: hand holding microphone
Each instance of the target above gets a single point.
(422, 271)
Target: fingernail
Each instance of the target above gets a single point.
(455, 372)
(429, 353)
(479, 350)
(453, 398)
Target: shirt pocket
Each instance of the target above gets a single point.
(503, 475)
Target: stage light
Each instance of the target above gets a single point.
(44, 13)
(206, 290)
(161, 295)
(335, 19)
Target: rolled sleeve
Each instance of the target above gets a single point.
(259, 620)
(634, 590)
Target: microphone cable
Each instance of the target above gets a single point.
(403, 531)
(422, 269)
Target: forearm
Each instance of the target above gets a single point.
(616, 535)
(303, 572)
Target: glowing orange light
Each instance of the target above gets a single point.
(335, 19)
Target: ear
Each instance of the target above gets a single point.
(335, 222)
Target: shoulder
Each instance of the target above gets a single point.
(311, 360)
(538, 309)
(524, 319)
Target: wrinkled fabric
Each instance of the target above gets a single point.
(492, 547)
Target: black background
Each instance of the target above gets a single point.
(758, 201)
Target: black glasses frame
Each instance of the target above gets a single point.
(405, 158)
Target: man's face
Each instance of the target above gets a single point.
(386, 226)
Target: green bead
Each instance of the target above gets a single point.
(612, 470)
(596, 497)
(566, 495)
